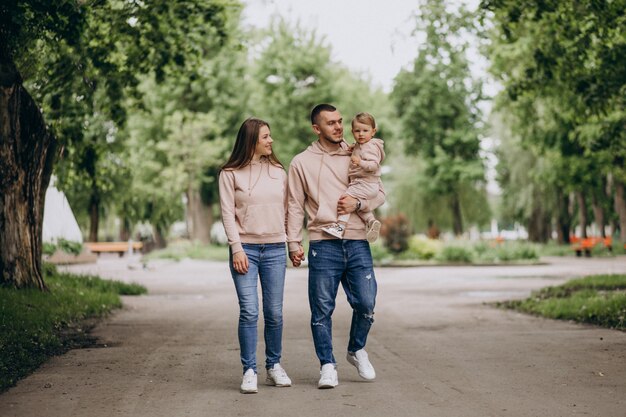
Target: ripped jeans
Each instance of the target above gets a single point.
(349, 262)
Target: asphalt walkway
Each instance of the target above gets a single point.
(438, 347)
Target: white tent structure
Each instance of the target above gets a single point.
(58, 219)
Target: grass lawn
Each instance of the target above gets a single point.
(596, 299)
(35, 325)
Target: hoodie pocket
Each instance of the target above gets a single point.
(264, 219)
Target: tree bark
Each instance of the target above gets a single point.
(125, 230)
(563, 219)
(200, 218)
(620, 208)
(582, 213)
(94, 217)
(457, 216)
(538, 225)
(159, 238)
(27, 151)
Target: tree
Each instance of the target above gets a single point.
(438, 105)
(566, 59)
(181, 133)
(109, 42)
(294, 73)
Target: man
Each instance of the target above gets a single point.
(318, 178)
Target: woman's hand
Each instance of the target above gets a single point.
(297, 257)
(240, 262)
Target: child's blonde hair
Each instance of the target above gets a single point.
(365, 118)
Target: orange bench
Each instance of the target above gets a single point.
(113, 247)
(587, 244)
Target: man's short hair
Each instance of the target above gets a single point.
(320, 108)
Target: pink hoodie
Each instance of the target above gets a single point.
(317, 179)
(253, 201)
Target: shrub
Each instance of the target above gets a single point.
(68, 246)
(456, 253)
(421, 247)
(380, 254)
(396, 232)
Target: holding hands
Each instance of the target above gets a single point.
(297, 256)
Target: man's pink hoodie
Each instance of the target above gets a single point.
(316, 176)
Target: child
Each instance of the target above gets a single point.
(364, 175)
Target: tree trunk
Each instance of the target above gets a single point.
(582, 213)
(598, 214)
(538, 225)
(457, 217)
(27, 151)
(620, 208)
(124, 230)
(159, 238)
(563, 219)
(200, 218)
(94, 217)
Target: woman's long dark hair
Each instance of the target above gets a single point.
(246, 142)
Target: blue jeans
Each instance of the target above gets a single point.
(268, 262)
(348, 262)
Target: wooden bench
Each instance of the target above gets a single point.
(113, 247)
(587, 244)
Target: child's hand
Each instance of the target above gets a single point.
(355, 160)
(351, 147)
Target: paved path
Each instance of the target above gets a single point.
(438, 349)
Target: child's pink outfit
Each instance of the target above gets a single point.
(364, 185)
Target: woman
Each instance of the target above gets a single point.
(253, 189)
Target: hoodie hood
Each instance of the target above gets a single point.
(317, 148)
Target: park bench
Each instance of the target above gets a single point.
(113, 247)
(585, 245)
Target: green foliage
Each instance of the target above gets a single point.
(560, 64)
(35, 325)
(48, 248)
(64, 245)
(69, 246)
(422, 248)
(456, 253)
(294, 73)
(598, 299)
(380, 254)
(438, 105)
(83, 63)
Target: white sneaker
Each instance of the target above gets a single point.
(372, 231)
(248, 384)
(362, 363)
(277, 376)
(335, 230)
(328, 376)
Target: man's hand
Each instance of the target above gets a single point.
(297, 257)
(240, 262)
(346, 204)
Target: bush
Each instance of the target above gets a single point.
(423, 248)
(380, 254)
(456, 253)
(67, 246)
(396, 232)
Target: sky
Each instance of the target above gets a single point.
(371, 37)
